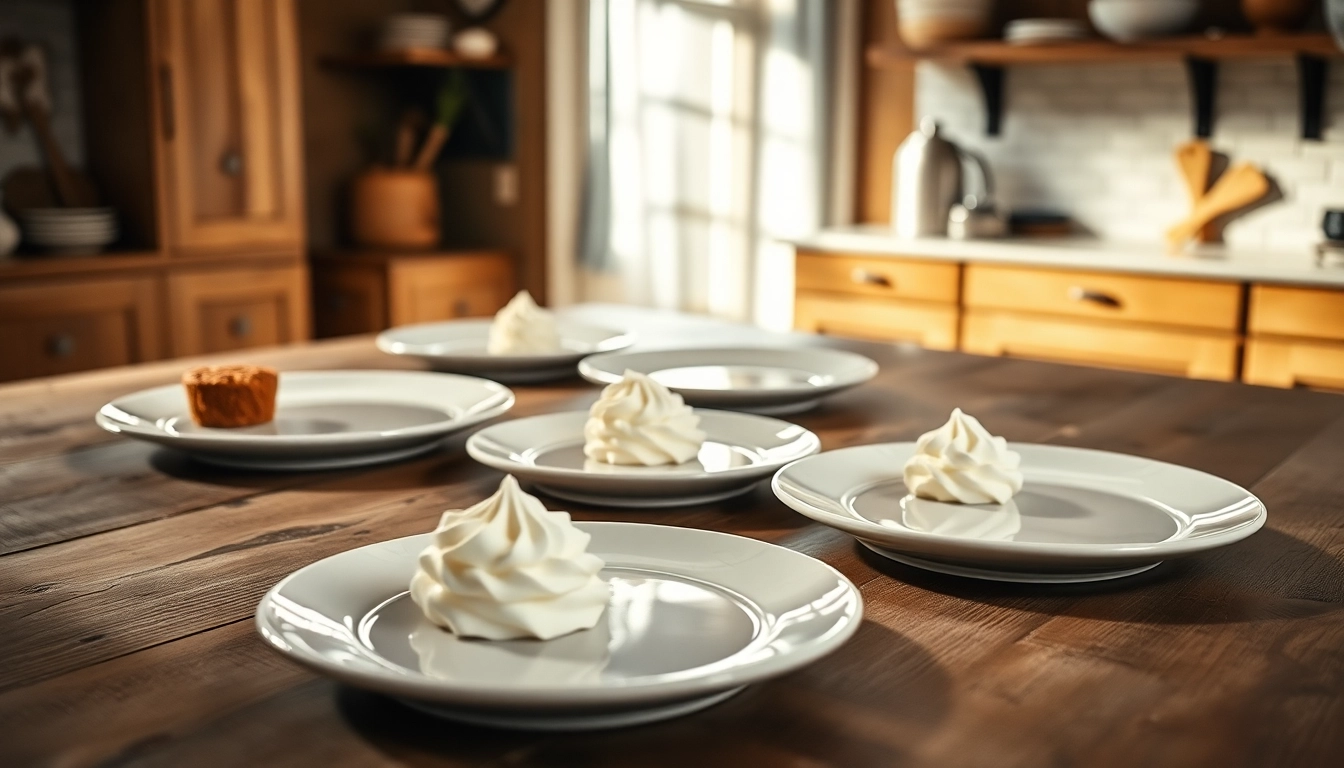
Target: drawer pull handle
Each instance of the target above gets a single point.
(231, 163)
(62, 345)
(1079, 293)
(240, 327)
(864, 277)
(461, 308)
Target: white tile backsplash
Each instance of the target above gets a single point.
(1097, 142)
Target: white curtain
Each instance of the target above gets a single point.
(706, 132)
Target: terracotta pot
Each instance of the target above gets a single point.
(1277, 16)
(395, 208)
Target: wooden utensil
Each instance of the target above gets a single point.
(1238, 188)
(29, 88)
(1195, 161)
(412, 120)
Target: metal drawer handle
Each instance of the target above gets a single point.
(864, 277)
(1079, 293)
(231, 163)
(241, 326)
(61, 345)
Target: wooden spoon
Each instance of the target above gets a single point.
(1238, 188)
(1195, 160)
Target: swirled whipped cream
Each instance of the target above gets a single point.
(961, 462)
(523, 328)
(639, 421)
(508, 568)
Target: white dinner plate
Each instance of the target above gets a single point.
(773, 380)
(459, 346)
(547, 451)
(694, 616)
(1082, 515)
(323, 419)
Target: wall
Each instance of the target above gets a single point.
(52, 23)
(1097, 142)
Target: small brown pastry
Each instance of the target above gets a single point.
(231, 395)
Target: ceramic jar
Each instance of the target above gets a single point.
(1277, 17)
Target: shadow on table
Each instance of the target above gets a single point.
(1269, 576)
(864, 704)
(426, 470)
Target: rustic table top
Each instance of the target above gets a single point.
(129, 576)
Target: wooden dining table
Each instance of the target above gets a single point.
(129, 576)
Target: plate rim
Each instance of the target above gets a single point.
(219, 441)
(422, 688)
(589, 371)
(539, 475)
(616, 340)
(919, 541)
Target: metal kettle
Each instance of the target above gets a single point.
(926, 182)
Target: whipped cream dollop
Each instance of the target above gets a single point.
(523, 328)
(639, 421)
(961, 462)
(508, 568)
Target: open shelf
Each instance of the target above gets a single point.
(425, 58)
(1002, 54)
(1201, 55)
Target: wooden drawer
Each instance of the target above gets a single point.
(1196, 354)
(64, 327)
(878, 276)
(430, 289)
(930, 325)
(1294, 362)
(1104, 295)
(348, 300)
(1310, 312)
(224, 310)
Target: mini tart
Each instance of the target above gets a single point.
(231, 395)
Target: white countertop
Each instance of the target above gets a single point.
(1211, 262)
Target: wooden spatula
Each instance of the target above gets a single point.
(1238, 188)
(1195, 161)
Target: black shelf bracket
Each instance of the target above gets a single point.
(1312, 72)
(1204, 91)
(991, 87)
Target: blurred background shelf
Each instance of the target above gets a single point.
(419, 58)
(999, 53)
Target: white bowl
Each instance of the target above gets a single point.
(1130, 21)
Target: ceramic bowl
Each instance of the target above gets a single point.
(1130, 21)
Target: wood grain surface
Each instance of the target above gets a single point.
(129, 576)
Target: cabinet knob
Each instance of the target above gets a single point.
(241, 326)
(231, 163)
(61, 345)
(1102, 298)
(864, 277)
(461, 308)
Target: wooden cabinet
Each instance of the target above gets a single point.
(367, 292)
(1180, 352)
(51, 328)
(878, 298)
(1296, 337)
(224, 310)
(1105, 296)
(228, 98)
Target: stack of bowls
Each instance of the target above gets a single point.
(403, 31)
(1044, 31)
(69, 231)
(926, 23)
(1130, 21)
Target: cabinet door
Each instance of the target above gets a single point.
(928, 324)
(228, 99)
(224, 310)
(1285, 362)
(55, 328)
(430, 289)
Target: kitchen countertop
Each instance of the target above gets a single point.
(131, 575)
(1209, 262)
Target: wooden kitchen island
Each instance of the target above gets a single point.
(129, 576)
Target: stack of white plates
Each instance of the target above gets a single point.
(70, 230)
(414, 30)
(1043, 31)
(924, 23)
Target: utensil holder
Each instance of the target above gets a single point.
(395, 208)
